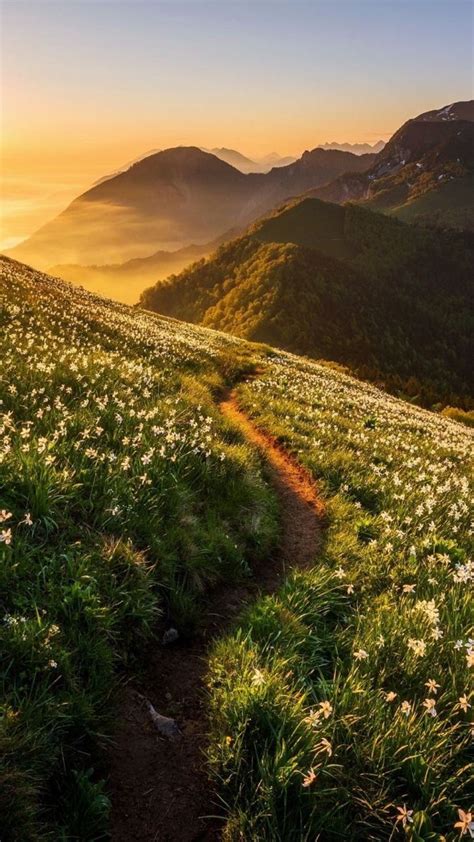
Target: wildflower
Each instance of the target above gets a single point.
(313, 718)
(340, 573)
(429, 609)
(470, 659)
(465, 823)
(464, 703)
(361, 655)
(417, 646)
(258, 678)
(350, 589)
(390, 696)
(404, 816)
(27, 519)
(429, 704)
(53, 664)
(326, 709)
(309, 778)
(4, 515)
(325, 745)
(405, 708)
(408, 588)
(432, 686)
(6, 536)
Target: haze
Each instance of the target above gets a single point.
(89, 86)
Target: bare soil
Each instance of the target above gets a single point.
(159, 787)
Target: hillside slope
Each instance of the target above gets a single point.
(122, 500)
(392, 301)
(424, 173)
(235, 159)
(343, 703)
(170, 200)
(125, 495)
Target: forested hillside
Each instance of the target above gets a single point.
(392, 301)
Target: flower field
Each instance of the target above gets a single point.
(122, 495)
(343, 704)
(340, 706)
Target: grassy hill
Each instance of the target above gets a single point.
(110, 443)
(390, 300)
(342, 700)
(125, 496)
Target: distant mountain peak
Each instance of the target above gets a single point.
(355, 148)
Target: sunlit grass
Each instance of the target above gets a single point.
(347, 698)
(123, 496)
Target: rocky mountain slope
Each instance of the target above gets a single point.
(424, 173)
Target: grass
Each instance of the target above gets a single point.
(346, 697)
(123, 496)
(336, 703)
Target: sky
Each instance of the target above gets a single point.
(88, 85)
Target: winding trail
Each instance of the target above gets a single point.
(159, 787)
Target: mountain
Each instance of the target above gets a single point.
(425, 173)
(356, 148)
(170, 200)
(273, 159)
(247, 165)
(392, 301)
(163, 202)
(126, 166)
(235, 159)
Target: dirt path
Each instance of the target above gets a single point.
(159, 787)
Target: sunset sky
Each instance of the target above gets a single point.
(88, 86)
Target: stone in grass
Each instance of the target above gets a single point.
(165, 725)
(170, 636)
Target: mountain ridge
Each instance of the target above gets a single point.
(168, 201)
(344, 283)
(426, 153)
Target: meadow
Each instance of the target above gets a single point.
(343, 704)
(340, 706)
(123, 497)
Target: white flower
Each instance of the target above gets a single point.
(429, 704)
(6, 536)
